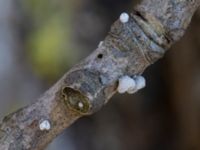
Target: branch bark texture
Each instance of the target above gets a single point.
(128, 49)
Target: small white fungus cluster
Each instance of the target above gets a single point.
(131, 85)
(124, 17)
(44, 125)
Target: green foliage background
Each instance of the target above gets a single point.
(49, 43)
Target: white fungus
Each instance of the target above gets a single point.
(132, 91)
(44, 125)
(126, 83)
(131, 85)
(124, 17)
(140, 82)
(80, 105)
(100, 44)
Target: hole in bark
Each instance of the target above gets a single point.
(76, 100)
(100, 56)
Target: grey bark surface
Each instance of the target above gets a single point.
(129, 49)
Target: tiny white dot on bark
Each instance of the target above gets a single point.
(124, 17)
(80, 105)
(44, 125)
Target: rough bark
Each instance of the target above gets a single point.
(129, 49)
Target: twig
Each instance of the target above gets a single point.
(134, 42)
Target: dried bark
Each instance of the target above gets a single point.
(129, 49)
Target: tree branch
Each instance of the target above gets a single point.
(129, 49)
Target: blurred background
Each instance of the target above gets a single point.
(41, 39)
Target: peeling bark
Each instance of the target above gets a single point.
(129, 49)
